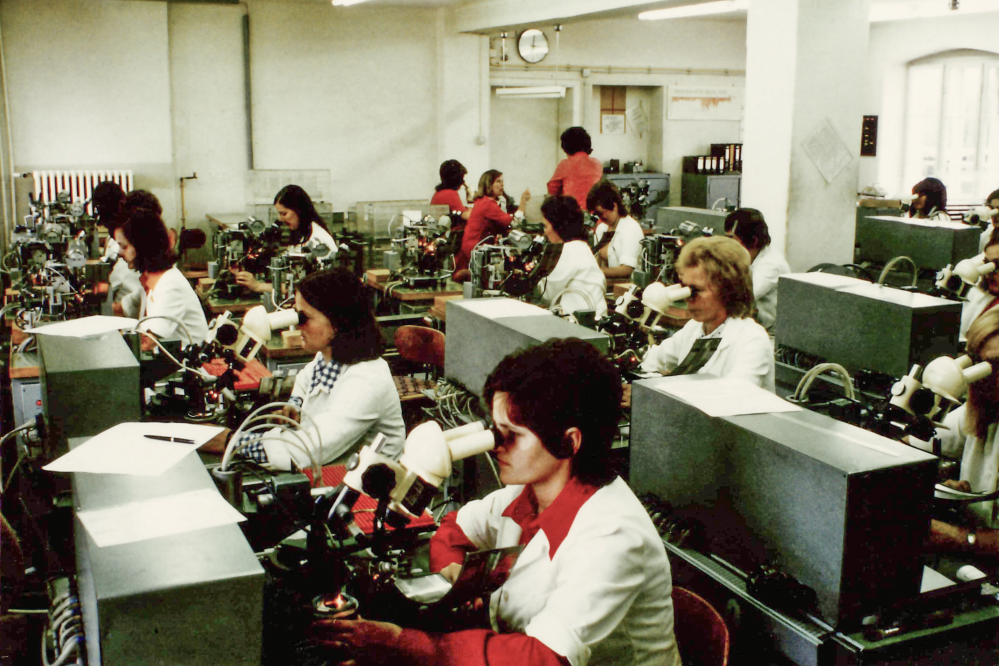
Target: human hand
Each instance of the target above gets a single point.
(291, 413)
(118, 310)
(358, 638)
(944, 536)
(962, 485)
(451, 571)
(524, 198)
(247, 279)
(626, 396)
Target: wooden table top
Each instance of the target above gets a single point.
(406, 294)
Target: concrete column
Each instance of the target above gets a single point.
(805, 71)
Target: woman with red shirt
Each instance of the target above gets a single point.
(452, 178)
(487, 218)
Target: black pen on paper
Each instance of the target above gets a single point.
(164, 438)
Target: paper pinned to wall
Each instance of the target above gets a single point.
(637, 119)
(612, 123)
(827, 150)
(704, 103)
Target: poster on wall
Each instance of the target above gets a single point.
(612, 123)
(827, 150)
(637, 119)
(704, 103)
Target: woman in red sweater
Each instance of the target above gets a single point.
(487, 218)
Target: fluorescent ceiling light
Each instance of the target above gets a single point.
(532, 92)
(916, 9)
(703, 9)
(346, 3)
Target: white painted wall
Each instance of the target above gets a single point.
(892, 46)
(89, 86)
(522, 133)
(209, 116)
(641, 55)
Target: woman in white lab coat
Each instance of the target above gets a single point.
(971, 433)
(747, 226)
(347, 390)
(107, 200)
(295, 210)
(720, 339)
(577, 280)
(147, 246)
(930, 202)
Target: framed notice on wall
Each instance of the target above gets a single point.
(704, 103)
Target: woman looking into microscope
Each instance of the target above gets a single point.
(347, 390)
(487, 218)
(971, 433)
(720, 338)
(296, 211)
(930, 202)
(147, 247)
(576, 278)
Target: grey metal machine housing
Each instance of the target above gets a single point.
(930, 244)
(189, 598)
(87, 386)
(862, 325)
(481, 331)
(842, 510)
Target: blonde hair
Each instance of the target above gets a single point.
(983, 400)
(486, 182)
(726, 263)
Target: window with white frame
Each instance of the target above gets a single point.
(952, 123)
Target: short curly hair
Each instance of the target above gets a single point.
(726, 263)
(562, 384)
(142, 224)
(606, 195)
(565, 216)
(576, 140)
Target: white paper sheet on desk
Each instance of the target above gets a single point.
(124, 449)
(724, 397)
(161, 516)
(495, 308)
(85, 327)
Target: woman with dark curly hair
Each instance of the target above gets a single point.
(592, 584)
(721, 338)
(147, 246)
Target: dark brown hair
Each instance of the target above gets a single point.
(339, 295)
(141, 222)
(562, 384)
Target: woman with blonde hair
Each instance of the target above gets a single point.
(721, 338)
(487, 218)
(971, 433)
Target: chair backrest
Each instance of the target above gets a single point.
(420, 344)
(701, 634)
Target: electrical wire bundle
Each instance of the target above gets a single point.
(64, 635)
(273, 426)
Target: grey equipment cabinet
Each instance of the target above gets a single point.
(703, 191)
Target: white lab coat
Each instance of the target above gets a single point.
(171, 296)
(124, 280)
(745, 352)
(768, 266)
(626, 245)
(363, 403)
(977, 301)
(979, 462)
(319, 236)
(578, 276)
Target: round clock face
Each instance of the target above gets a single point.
(533, 45)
